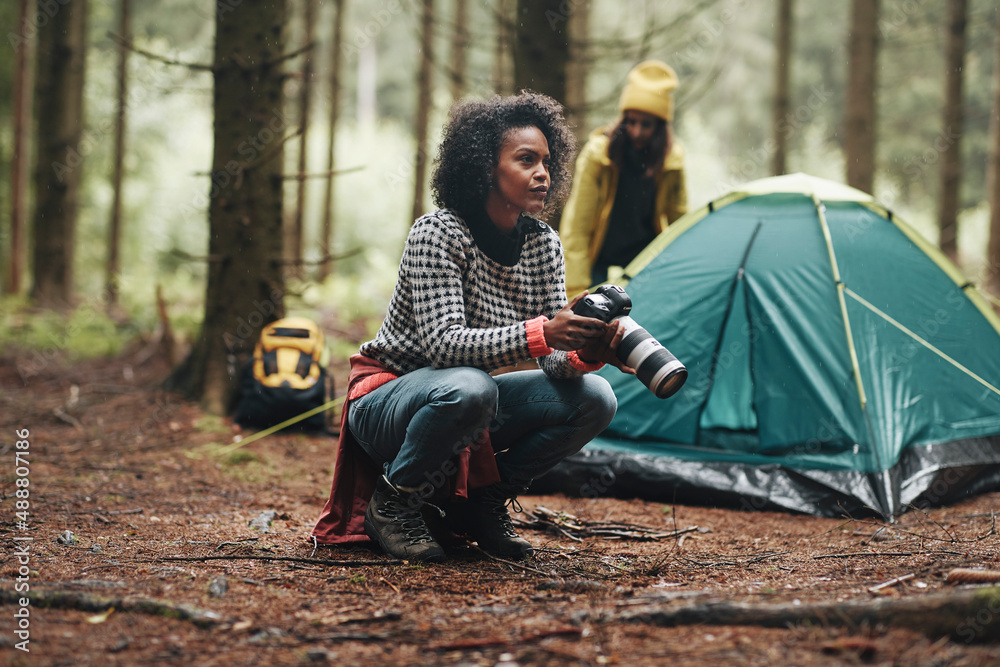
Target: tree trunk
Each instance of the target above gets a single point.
(860, 120)
(245, 276)
(459, 47)
(115, 224)
(951, 157)
(503, 82)
(19, 166)
(424, 85)
(993, 181)
(336, 41)
(576, 70)
(305, 103)
(541, 48)
(782, 75)
(59, 104)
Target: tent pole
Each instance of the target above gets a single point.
(885, 497)
(821, 213)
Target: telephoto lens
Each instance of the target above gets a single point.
(654, 365)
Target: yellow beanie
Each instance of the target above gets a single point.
(650, 88)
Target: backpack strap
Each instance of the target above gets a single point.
(305, 363)
(270, 360)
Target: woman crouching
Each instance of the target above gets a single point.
(432, 445)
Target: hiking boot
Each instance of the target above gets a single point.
(484, 519)
(394, 521)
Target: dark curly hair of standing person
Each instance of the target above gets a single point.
(470, 148)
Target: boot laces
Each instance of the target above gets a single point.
(410, 520)
(499, 511)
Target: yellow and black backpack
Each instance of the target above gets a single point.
(286, 376)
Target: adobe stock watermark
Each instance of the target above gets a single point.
(45, 11)
(161, 412)
(975, 627)
(222, 10)
(828, 432)
(246, 328)
(711, 31)
(597, 486)
(252, 148)
(558, 19)
(894, 15)
(759, 158)
(915, 166)
(405, 168)
(142, 84)
(437, 480)
(377, 20)
(22, 543)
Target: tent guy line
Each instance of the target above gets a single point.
(857, 297)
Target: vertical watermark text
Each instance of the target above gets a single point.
(22, 543)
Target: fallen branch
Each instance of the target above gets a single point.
(292, 559)
(518, 641)
(968, 615)
(62, 415)
(575, 528)
(100, 511)
(59, 599)
(862, 554)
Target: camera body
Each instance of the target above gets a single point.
(654, 365)
(605, 303)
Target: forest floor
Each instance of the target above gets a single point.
(162, 567)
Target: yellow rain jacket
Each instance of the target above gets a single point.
(584, 221)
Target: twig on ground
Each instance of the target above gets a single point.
(237, 542)
(292, 559)
(575, 528)
(923, 514)
(862, 554)
(516, 641)
(62, 415)
(389, 584)
(891, 582)
(509, 562)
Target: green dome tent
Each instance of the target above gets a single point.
(838, 363)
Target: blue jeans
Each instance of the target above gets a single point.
(414, 425)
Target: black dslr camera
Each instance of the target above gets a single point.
(654, 365)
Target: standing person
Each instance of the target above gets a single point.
(629, 182)
(426, 428)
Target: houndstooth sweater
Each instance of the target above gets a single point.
(455, 305)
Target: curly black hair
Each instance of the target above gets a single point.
(470, 148)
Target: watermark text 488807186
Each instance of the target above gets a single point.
(22, 507)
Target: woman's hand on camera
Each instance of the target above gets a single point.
(569, 331)
(604, 349)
